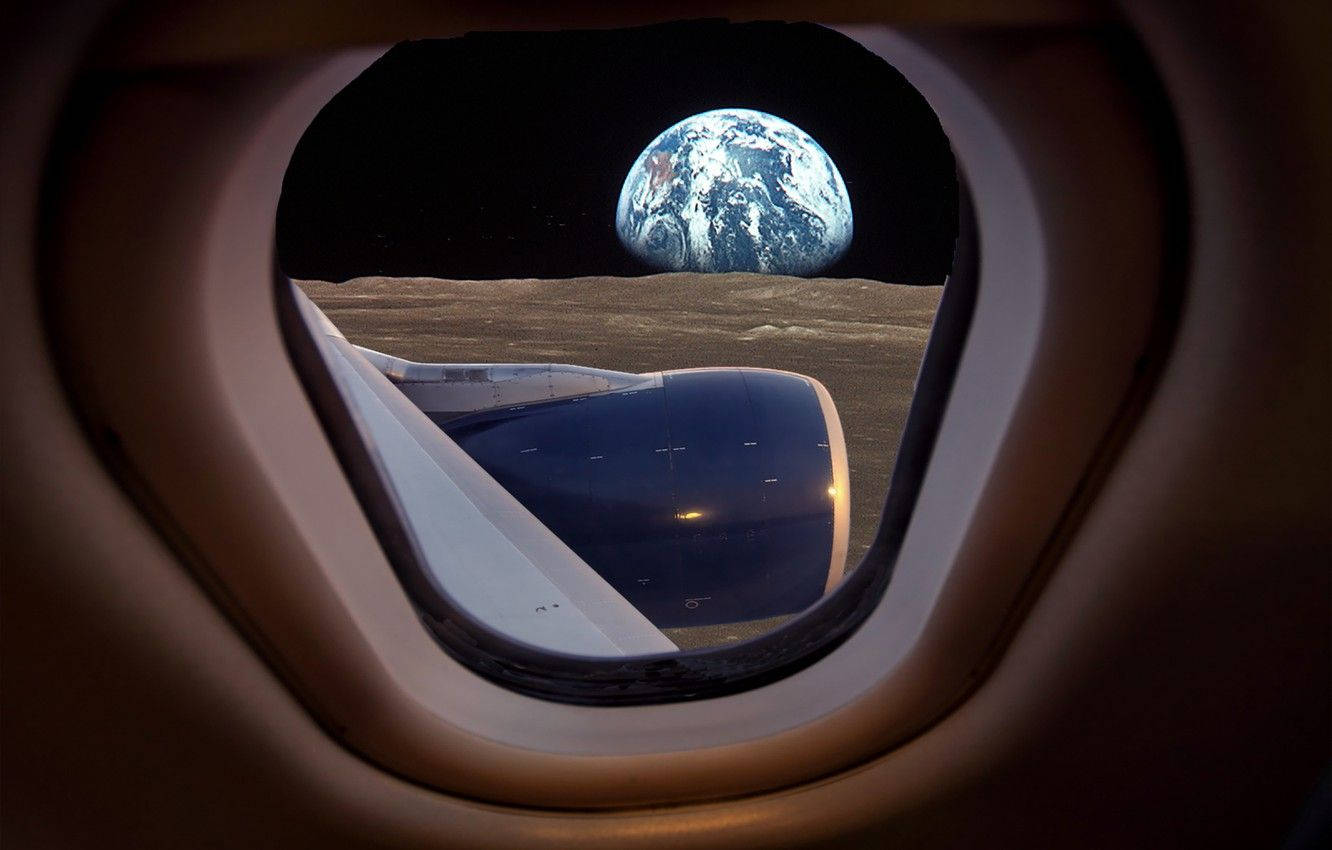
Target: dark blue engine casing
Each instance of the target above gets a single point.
(706, 499)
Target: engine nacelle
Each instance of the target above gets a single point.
(703, 496)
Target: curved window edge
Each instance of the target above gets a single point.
(664, 677)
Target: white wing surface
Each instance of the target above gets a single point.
(482, 548)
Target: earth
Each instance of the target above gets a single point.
(735, 190)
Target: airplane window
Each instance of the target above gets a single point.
(618, 333)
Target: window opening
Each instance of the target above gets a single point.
(617, 333)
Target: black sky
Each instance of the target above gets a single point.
(501, 155)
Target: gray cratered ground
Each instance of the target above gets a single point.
(863, 339)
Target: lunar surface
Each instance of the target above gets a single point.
(863, 339)
(735, 190)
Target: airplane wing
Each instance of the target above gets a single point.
(482, 547)
(587, 510)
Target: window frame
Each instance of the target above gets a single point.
(307, 582)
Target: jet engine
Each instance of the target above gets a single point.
(703, 496)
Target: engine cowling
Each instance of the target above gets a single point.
(703, 496)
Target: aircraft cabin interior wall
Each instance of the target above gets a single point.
(1095, 609)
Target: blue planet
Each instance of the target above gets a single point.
(735, 190)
